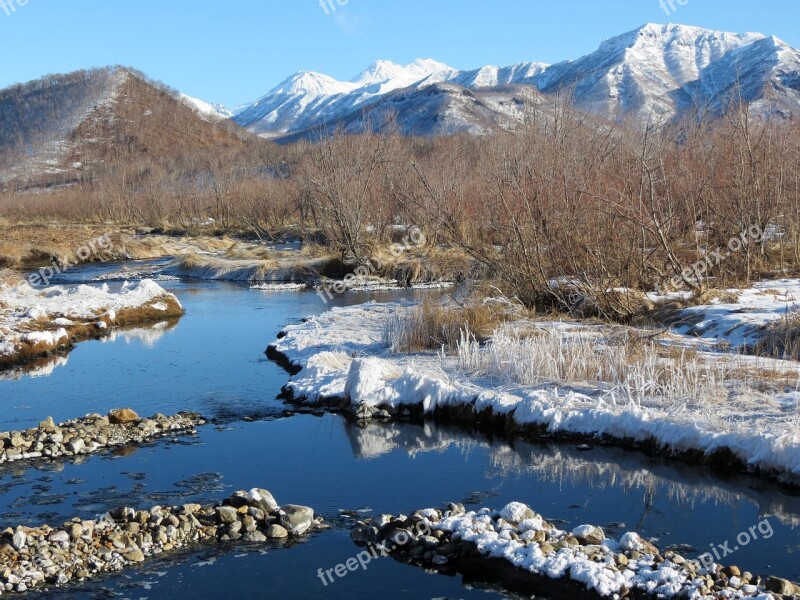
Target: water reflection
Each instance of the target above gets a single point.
(599, 469)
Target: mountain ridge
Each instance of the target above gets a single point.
(654, 71)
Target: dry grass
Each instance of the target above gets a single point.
(10, 277)
(435, 326)
(34, 245)
(781, 339)
(426, 265)
(617, 305)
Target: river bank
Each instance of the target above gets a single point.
(343, 359)
(36, 323)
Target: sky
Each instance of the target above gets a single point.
(234, 51)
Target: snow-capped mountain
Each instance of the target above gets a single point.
(208, 110)
(655, 71)
(440, 108)
(308, 99)
(491, 76)
(663, 70)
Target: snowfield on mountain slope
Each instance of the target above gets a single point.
(34, 322)
(344, 354)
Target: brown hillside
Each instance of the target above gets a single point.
(146, 118)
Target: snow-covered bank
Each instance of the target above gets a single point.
(344, 360)
(36, 322)
(558, 563)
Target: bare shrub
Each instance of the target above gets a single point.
(781, 339)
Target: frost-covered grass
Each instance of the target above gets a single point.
(633, 369)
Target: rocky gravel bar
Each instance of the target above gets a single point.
(92, 433)
(520, 549)
(34, 558)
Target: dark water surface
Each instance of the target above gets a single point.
(212, 362)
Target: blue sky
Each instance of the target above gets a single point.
(236, 50)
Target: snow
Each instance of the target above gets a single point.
(486, 530)
(344, 354)
(632, 542)
(206, 109)
(279, 287)
(741, 323)
(656, 69)
(64, 306)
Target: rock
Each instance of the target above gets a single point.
(17, 440)
(589, 535)
(447, 549)
(297, 519)
(19, 540)
(249, 524)
(256, 537)
(123, 416)
(731, 571)
(400, 537)
(360, 535)
(76, 445)
(58, 537)
(260, 498)
(276, 532)
(256, 513)
(190, 509)
(227, 515)
(456, 509)
(780, 586)
(48, 424)
(75, 531)
(135, 555)
(380, 521)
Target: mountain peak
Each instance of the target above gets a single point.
(383, 71)
(311, 83)
(674, 34)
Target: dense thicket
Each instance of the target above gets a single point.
(559, 209)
